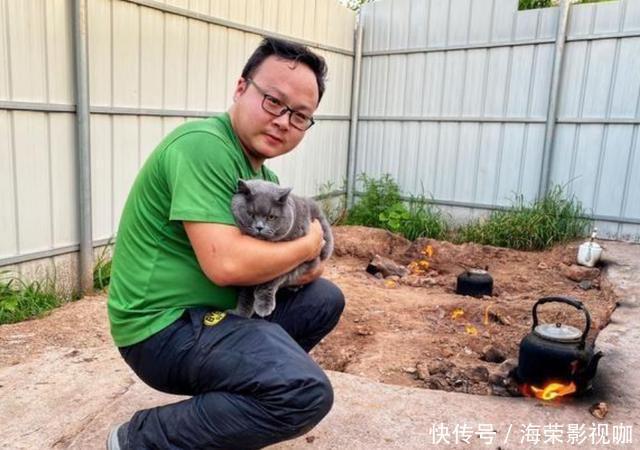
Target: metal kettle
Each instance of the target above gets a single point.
(557, 352)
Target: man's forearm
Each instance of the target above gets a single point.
(253, 261)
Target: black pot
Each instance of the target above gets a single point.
(474, 282)
(557, 353)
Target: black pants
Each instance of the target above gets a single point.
(252, 382)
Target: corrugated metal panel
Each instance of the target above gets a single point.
(142, 56)
(8, 198)
(31, 141)
(466, 124)
(101, 176)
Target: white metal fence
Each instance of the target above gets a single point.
(152, 65)
(454, 100)
(455, 94)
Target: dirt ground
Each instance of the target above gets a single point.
(401, 331)
(405, 331)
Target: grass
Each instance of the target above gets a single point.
(550, 220)
(534, 4)
(102, 271)
(381, 206)
(20, 300)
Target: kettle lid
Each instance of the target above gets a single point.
(558, 332)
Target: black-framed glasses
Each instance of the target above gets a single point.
(277, 108)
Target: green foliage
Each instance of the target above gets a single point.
(425, 220)
(102, 270)
(547, 221)
(379, 195)
(533, 4)
(394, 217)
(381, 206)
(20, 300)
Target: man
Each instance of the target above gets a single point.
(179, 255)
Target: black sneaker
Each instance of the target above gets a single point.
(117, 439)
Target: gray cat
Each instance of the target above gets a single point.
(269, 212)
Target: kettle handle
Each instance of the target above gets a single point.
(569, 301)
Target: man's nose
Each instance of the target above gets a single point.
(283, 121)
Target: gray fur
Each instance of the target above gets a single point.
(270, 212)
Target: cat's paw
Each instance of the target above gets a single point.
(263, 309)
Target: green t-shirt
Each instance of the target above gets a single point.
(190, 176)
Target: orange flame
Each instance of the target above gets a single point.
(551, 390)
(458, 312)
(421, 266)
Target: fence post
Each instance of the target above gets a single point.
(83, 144)
(355, 101)
(550, 127)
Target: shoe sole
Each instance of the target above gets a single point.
(112, 440)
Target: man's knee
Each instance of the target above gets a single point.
(307, 402)
(330, 297)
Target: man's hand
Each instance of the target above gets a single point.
(311, 275)
(315, 237)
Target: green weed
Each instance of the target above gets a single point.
(102, 270)
(539, 225)
(382, 206)
(20, 300)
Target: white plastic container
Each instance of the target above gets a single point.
(589, 253)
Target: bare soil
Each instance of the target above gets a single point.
(404, 330)
(398, 331)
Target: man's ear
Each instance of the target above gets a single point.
(241, 87)
(284, 194)
(243, 188)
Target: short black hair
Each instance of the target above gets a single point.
(291, 51)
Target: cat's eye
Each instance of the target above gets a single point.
(272, 217)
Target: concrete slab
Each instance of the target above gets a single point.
(369, 415)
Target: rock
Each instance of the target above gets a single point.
(508, 365)
(599, 410)
(418, 281)
(542, 266)
(578, 273)
(585, 284)
(422, 371)
(492, 354)
(437, 382)
(386, 267)
(501, 380)
(479, 373)
(499, 316)
(363, 331)
(410, 370)
(310, 439)
(439, 366)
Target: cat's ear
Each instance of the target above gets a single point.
(243, 188)
(284, 194)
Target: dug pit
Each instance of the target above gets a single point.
(414, 330)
